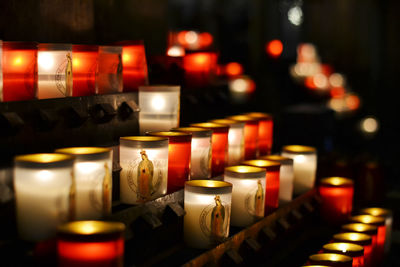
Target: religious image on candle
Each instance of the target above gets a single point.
(208, 207)
(144, 162)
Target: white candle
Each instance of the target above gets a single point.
(200, 164)
(54, 70)
(44, 193)
(248, 193)
(304, 165)
(144, 162)
(159, 108)
(93, 178)
(208, 208)
(286, 177)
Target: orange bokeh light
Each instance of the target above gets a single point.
(274, 48)
(353, 102)
(206, 39)
(234, 69)
(309, 82)
(337, 92)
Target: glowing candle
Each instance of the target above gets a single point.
(248, 193)
(208, 209)
(235, 140)
(19, 71)
(250, 135)
(265, 132)
(159, 107)
(331, 259)
(84, 69)
(179, 152)
(367, 229)
(200, 67)
(380, 223)
(219, 142)
(272, 182)
(109, 78)
(388, 215)
(347, 249)
(134, 65)
(359, 239)
(93, 178)
(144, 163)
(286, 177)
(91, 244)
(305, 166)
(44, 193)
(200, 163)
(337, 199)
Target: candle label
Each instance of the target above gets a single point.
(63, 77)
(107, 184)
(145, 176)
(254, 201)
(214, 220)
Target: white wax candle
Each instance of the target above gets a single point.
(200, 165)
(286, 183)
(235, 145)
(148, 123)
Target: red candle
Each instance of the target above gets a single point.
(380, 223)
(330, 259)
(91, 243)
(336, 199)
(199, 68)
(84, 69)
(250, 135)
(179, 155)
(272, 182)
(359, 239)
(134, 65)
(19, 71)
(347, 249)
(265, 132)
(219, 144)
(367, 229)
(109, 70)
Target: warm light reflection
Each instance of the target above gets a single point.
(320, 81)
(206, 39)
(336, 80)
(352, 102)
(158, 103)
(45, 60)
(337, 92)
(44, 175)
(176, 51)
(369, 125)
(234, 69)
(17, 61)
(274, 48)
(191, 37)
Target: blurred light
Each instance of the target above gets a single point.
(233, 69)
(274, 48)
(336, 80)
(17, 61)
(338, 92)
(369, 125)
(176, 51)
(205, 39)
(45, 60)
(126, 58)
(309, 82)
(182, 38)
(158, 103)
(242, 85)
(191, 37)
(337, 104)
(320, 81)
(75, 62)
(295, 15)
(352, 102)
(307, 53)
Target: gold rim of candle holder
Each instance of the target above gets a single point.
(110, 49)
(44, 160)
(90, 231)
(86, 153)
(244, 118)
(299, 149)
(336, 181)
(330, 257)
(361, 228)
(377, 211)
(195, 131)
(159, 88)
(231, 123)
(355, 238)
(269, 165)
(208, 187)
(144, 141)
(216, 127)
(173, 136)
(259, 115)
(347, 249)
(50, 47)
(245, 172)
(368, 219)
(281, 159)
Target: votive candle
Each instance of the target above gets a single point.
(331, 259)
(265, 132)
(348, 249)
(84, 69)
(250, 135)
(359, 239)
(109, 75)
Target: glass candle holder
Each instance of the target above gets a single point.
(367, 229)
(248, 193)
(304, 165)
(380, 241)
(388, 215)
(235, 140)
(44, 192)
(1, 70)
(286, 177)
(351, 250)
(109, 76)
(331, 259)
(144, 162)
(219, 143)
(336, 199)
(272, 182)
(359, 239)
(84, 69)
(200, 68)
(159, 107)
(54, 70)
(91, 244)
(93, 178)
(200, 162)
(19, 71)
(208, 209)
(265, 132)
(134, 65)
(250, 135)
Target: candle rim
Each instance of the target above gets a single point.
(352, 250)
(367, 228)
(91, 230)
(260, 115)
(159, 88)
(144, 141)
(244, 171)
(299, 149)
(330, 257)
(195, 131)
(244, 118)
(278, 158)
(368, 219)
(231, 123)
(208, 184)
(48, 47)
(172, 136)
(376, 211)
(269, 165)
(44, 160)
(352, 237)
(216, 127)
(84, 48)
(86, 153)
(336, 181)
(110, 49)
